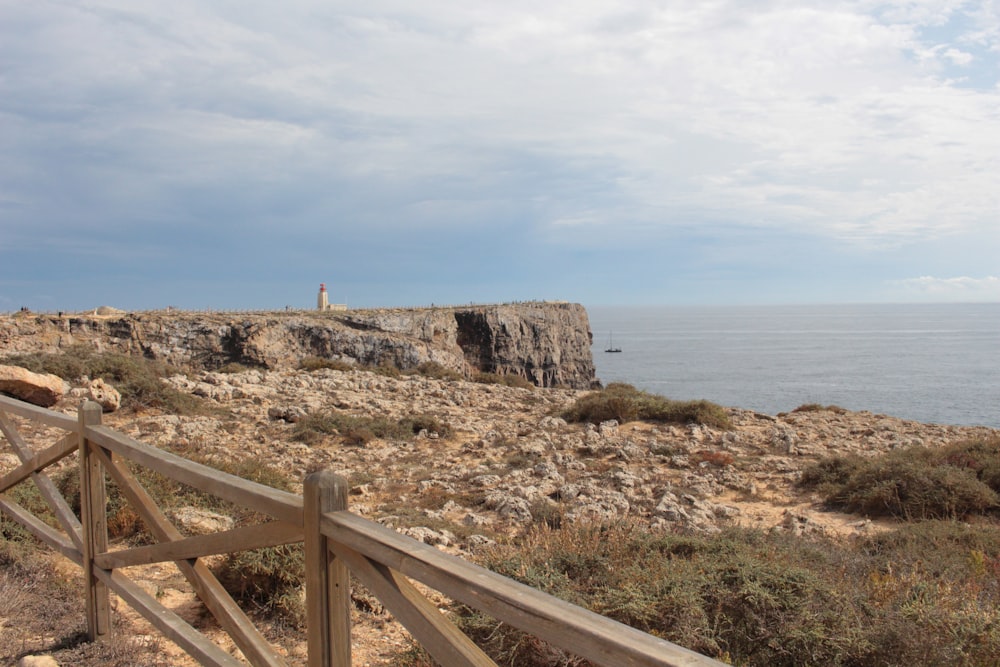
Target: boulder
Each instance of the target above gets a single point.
(42, 389)
(37, 661)
(196, 521)
(101, 392)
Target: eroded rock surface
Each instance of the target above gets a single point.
(510, 460)
(547, 343)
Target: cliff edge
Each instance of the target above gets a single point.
(547, 343)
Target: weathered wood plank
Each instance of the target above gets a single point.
(584, 633)
(66, 446)
(50, 494)
(94, 519)
(41, 530)
(212, 594)
(328, 583)
(281, 505)
(239, 539)
(37, 414)
(446, 643)
(170, 624)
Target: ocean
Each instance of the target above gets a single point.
(936, 363)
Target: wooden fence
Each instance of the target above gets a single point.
(337, 545)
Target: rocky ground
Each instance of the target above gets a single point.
(510, 460)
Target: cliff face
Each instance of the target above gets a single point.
(547, 343)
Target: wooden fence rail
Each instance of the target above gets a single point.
(337, 545)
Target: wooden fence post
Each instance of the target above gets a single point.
(93, 517)
(328, 582)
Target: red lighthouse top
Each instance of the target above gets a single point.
(322, 287)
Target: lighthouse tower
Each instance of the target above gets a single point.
(322, 301)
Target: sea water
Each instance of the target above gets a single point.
(937, 363)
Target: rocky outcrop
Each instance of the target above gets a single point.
(38, 388)
(508, 461)
(109, 398)
(547, 343)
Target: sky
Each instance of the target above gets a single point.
(234, 154)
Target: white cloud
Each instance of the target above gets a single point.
(821, 116)
(959, 57)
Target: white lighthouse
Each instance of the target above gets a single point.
(322, 301)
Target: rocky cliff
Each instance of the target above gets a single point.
(546, 342)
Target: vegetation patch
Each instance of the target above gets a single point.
(509, 380)
(752, 598)
(436, 371)
(44, 614)
(354, 430)
(232, 368)
(270, 578)
(915, 483)
(139, 380)
(624, 403)
(311, 364)
(816, 407)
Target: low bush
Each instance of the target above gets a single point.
(272, 578)
(915, 483)
(386, 369)
(232, 368)
(752, 598)
(311, 364)
(509, 380)
(436, 371)
(27, 496)
(816, 407)
(314, 427)
(624, 403)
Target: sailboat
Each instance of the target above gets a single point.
(611, 347)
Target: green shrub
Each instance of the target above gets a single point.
(728, 597)
(625, 403)
(913, 483)
(828, 475)
(425, 422)
(433, 369)
(311, 364)
(509, 380)
(27, 496)
(386, 369)
(232, 367)
(753, 598)
(272, 578)
(816, 407)
(354, 430)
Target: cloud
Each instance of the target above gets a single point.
(867, 124)
(962, 288)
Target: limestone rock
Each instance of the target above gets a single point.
(430, 536)
(698, 514)
(201, 522)
(547, 343)
(107, 396)
(37, 661)
(287, 413)
(509, 507)
(42, 389)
